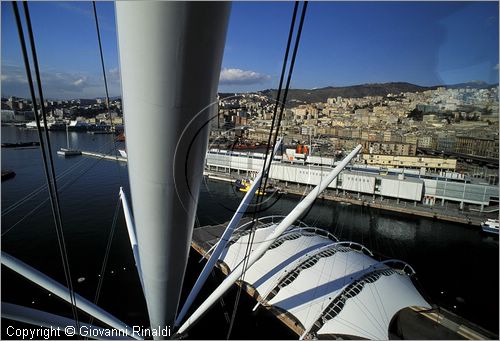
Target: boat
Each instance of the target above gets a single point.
(240, 183)
(21, 144)
(7, 174)
(68, 151)
(491, 226)
(244, 186)
(52, 124)
(122, 152)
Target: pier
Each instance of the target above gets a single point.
(412, 323)
(473, 218)
(105, 156)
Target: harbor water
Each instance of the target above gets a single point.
(457, 266)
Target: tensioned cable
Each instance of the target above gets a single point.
(264, 166)
(102, 63)
(61, 238)
(250, 240)
(50, 184)
(106, 87)
(51, 161)
(278, 96)
(290, 72)
(289, 77)
(69, 183)
(106, 255)
(37, 191)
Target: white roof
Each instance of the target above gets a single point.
(368, 314)
(330, 287)
(315, 287)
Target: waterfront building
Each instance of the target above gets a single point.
(412, 185)
(433, 164)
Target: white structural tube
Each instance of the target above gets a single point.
(58, 324)
(240, 211)
(170, 62)
(129, 220)
(262, 248)
(59, 290)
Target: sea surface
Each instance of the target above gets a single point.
(457, 266)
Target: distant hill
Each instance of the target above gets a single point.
(357, 91)
(354, 91)
(472, 84)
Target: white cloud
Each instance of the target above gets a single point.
(56, 84)
(495, 67)
(113, 75)
(80, 81)
(241, 77)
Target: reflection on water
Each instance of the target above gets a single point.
(396, 229)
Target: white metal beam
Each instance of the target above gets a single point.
(58, 324)
(58, 289)
(262, 248)
(235, 220)
(129, 220)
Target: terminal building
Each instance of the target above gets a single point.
(411, 185)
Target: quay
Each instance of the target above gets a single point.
(105, 156)
(451, 212)
(473, 218)
(411, 323)
(421, 187)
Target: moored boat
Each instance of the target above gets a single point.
(490, 226)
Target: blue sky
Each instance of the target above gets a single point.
(343, 43)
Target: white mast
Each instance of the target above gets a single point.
(224, 239)
(67, 135)
(170, 58)
(263, 246)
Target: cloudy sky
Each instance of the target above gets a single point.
(343, 43)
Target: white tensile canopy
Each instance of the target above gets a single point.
(329, 287)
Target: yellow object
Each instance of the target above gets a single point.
(247, 185)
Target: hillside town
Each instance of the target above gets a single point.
(447, 123)
(456, 129)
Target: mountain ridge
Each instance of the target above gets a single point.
(298, 96)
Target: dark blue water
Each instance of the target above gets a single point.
(455, 264)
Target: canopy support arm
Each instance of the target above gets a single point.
(255, 255)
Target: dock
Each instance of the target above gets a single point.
(105, 156)
(402, 208)
(413, 323)
(473, 218)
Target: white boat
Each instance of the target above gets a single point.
(123, 153)
(67, 152)
(491, 226)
